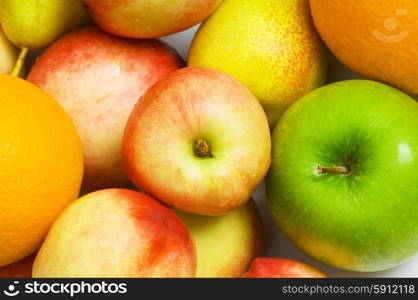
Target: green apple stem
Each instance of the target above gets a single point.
(333, 170)
(202, 149)
(20, 62)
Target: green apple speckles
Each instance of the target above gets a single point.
(344, 178)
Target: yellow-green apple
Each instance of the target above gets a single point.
(117, 233)
(226, 245)
(199, 141)
(266, 267)
(98, 78)
(343, 180)
(19, 269)
(8, 54)
(150, 18)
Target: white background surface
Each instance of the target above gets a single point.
(275, 244)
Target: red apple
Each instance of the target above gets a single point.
(149, 18)
(264, 267)
(117, 233)
(19, 269)
(199, 141)
(98, 78)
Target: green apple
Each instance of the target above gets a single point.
(343, 185)
(225, 245)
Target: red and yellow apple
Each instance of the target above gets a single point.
(117, 233)
(19, 269)
(8, 54)
(98, 78)
(198, 141)
(264, 267)
(225, 245)
(150, 18)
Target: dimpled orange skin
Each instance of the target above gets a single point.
(270, 46)
(375, 38)
(265, 267)
(41, 166)
(149, 18)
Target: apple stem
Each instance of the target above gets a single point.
(20, 61)
(202, 149)
(333, 170)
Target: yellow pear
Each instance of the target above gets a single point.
(271, 46)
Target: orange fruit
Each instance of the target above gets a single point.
(376, 38)
(41, 166)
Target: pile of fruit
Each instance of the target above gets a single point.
(165, 157)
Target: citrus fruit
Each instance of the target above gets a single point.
(41, 166)
(375, 38)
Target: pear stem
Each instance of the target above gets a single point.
(202, 149)
(20, 62)
(333, 170)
